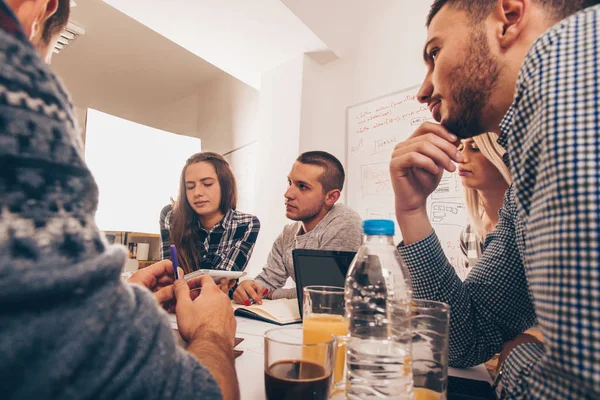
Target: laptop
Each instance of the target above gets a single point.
(320, 267)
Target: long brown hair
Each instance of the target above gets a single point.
(184, 220)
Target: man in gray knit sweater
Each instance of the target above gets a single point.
(69, 328)
(315, 184)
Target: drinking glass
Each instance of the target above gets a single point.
(324, 312)
(430, 323)
(295, 370)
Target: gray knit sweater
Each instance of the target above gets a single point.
(340, 229)
(69, 329)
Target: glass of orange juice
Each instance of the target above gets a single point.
(324, 315)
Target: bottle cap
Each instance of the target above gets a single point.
(378, 227)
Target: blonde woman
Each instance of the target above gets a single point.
(485, 178)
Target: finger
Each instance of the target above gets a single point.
(401, 166)
(164, 295)
(195, 283)
(195, 293)
(447, 147)
(149, 276)
(429, 150)
(207, 283)
(161, 268)
(252, 293)
(437, 129)
(165, 280)
(240, 296)
(182, 293)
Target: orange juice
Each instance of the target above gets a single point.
(426, 394)
(317, 329)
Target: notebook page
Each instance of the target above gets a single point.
(282, 310)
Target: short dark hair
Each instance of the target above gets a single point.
(333, 175)
(57, 21)
(478, 10)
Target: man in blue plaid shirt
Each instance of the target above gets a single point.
(542, 262)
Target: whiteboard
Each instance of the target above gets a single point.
(373, 129)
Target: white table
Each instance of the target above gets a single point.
(250, 365)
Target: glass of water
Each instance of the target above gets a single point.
(430, 322)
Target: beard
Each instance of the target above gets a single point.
(307, 215)
(471, 86)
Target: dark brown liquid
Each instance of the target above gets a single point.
(293, 379)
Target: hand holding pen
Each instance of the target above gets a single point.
(248, 290)
(251, 301)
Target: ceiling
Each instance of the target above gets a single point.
(340, 24)
(120, 66)
(244, 38)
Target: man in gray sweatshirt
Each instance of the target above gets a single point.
(69, 328)
(315, 184)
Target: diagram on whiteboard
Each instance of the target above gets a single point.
(375, 180)
(374, 128)
(449, 187)
(446, 213)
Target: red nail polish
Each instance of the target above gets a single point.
(265, 292)
(247, 303)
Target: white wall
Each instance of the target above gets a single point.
(227, 114)
(280, 107)
(387, 59)
(180, 116)
(303, 103)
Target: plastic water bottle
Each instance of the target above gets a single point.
(378, 294)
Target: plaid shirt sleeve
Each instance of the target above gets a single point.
(552, 135)
(165, 234)
(240, 240)
(491, 306)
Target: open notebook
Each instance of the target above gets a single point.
(280, 312)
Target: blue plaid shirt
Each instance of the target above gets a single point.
(227, 246)
(542, 262)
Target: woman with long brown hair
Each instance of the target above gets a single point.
(203, 222)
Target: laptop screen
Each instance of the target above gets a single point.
(320, 267)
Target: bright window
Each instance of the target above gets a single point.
(137, 169)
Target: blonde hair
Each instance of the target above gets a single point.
(489, 147)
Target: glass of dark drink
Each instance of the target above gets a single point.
(294, 370)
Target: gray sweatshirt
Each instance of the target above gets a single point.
(340, 230)
(69, 328)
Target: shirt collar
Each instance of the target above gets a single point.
(225, 223)
(9, 22)
(505, 126)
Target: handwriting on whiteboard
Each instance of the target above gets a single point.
(373, 129)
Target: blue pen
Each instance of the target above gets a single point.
(174, 260)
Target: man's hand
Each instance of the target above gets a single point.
(249, 289)
(418, 164)
(526, 337)
(416, 169)
(226, 285)
(158, 278)
(209, 315)
(208, 325)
